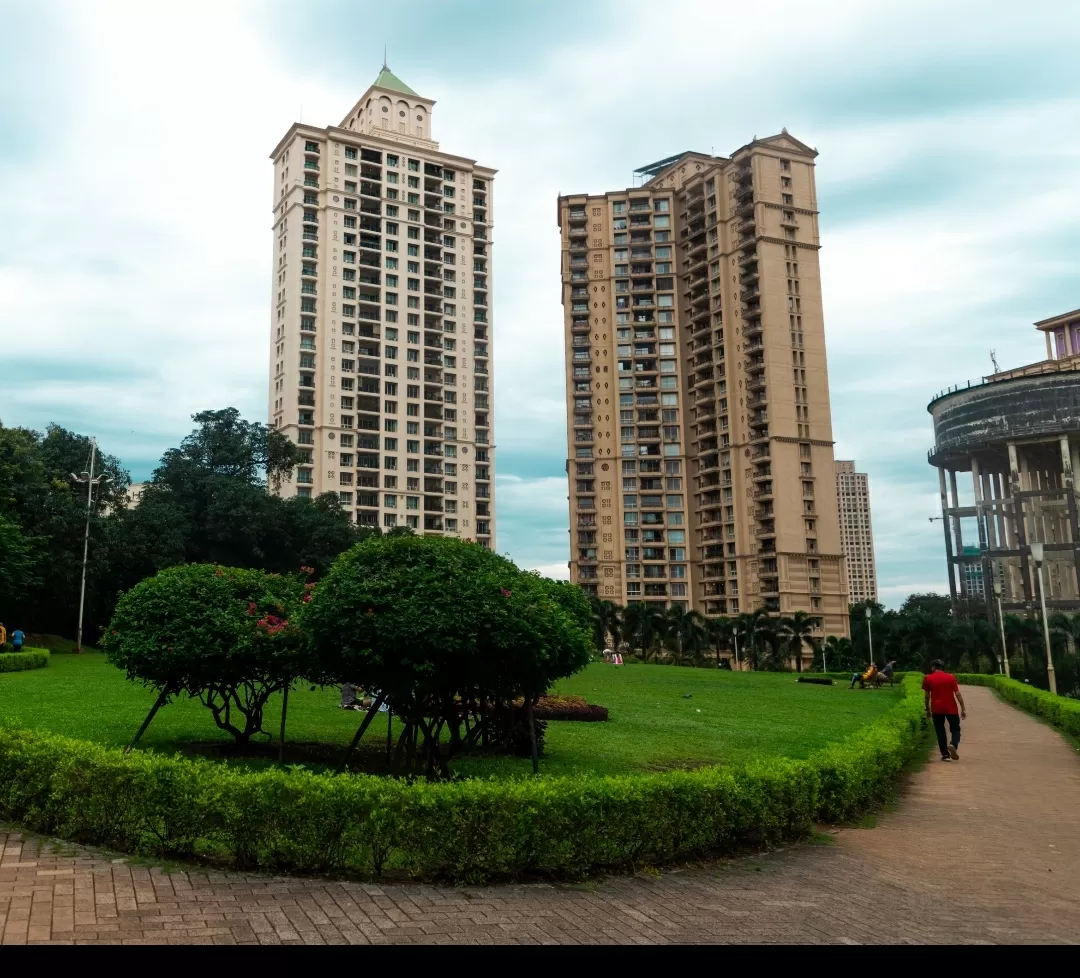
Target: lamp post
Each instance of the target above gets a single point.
(1001, 624)
(1037, 554)
(870, 634)
(735, 636)
(90, 480)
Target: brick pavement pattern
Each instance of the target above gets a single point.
(986, 850)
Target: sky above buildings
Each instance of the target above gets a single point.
(135, 196)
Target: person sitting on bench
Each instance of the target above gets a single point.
(862, 678)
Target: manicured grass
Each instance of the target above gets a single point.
(729, 718)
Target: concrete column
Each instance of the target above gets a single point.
(1068, 342)
(948, 535)
(959, 536)
(1049, 346)
(1066, 462)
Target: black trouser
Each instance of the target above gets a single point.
(954, 729)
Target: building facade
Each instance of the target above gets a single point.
(698, 419)
(856, 532)
(1017, 432)
(380, 327)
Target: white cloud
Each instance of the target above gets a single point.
(139, 235)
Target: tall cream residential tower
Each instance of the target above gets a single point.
(856, 531)
(380, 327)
(700, 438)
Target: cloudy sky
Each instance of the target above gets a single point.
(135, 196)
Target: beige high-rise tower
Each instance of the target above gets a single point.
(700, 439)
(856, 532)
(380, 328)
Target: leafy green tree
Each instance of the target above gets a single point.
(18, 571)
(226, 636)
(644, 627)
(437, 624)
(837, 654)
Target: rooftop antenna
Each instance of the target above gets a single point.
(993, 360)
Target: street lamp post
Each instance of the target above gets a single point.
(735, 636)
(870, 633)
(1037, 554)
(90, 480)
(1001, 624)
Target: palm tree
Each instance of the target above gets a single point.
(606, 621)
(685, 630)
(1027, 634)
(799, 629)
(838, 653)
(753, 625)
(721, 632)
(642, 623)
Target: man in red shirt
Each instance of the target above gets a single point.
(942, 695)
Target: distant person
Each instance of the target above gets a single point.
(348, 697)
(887, 672)
(942, 696)
(3, 636)
(17, 639)
(862, 678)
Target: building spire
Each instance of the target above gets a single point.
(386, 66)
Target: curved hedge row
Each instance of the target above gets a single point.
(26, 659)
(1061, 711)
(466, 830)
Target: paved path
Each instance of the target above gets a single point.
(986, 850)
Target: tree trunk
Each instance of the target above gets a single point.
(284, 711)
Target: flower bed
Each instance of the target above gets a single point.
(569, 708)
(26, 659)
(466, 830)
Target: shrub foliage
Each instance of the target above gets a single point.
(466, 830)
(224, 635)
(1061, 711)
(28, 658)
(446, 630)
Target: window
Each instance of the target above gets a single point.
(350, 152)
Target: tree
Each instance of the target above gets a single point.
(799, 630)
(754, 625)
(685, 631)
(18, 570)
(644, 625)
(226, 636)
(607, 621)
(837, 655)
(444, 629)
(721, 633)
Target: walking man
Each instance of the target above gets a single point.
(942, 696)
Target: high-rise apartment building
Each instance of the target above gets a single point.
(856, 532)
(700, 440)
(380, 328)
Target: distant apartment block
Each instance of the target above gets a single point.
(700, 449)
(380, 329)
(856, 532)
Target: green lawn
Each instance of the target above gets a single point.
(729, 717)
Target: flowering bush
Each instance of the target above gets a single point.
(224, 635)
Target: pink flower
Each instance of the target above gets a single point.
(504, 592)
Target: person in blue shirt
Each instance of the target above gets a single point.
(17, 639)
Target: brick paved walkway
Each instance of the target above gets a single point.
(986, 850)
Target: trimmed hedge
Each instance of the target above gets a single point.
(26, 659)
(1061, 711)
(467, 830)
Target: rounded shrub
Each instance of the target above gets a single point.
(227, 636)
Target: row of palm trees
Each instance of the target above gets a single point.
(756, 639)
